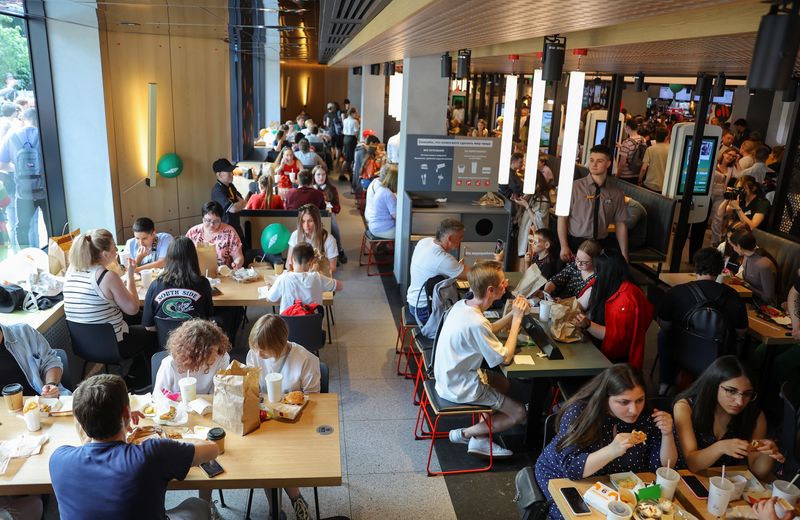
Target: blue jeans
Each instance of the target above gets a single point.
(420, 313)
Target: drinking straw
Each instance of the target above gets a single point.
(794, 479)
(669, 463)
(723, 471)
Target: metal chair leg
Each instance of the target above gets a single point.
(222, 499)
(316, 502)
(249, 504)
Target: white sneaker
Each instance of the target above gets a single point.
(480, 446)
(457, 436)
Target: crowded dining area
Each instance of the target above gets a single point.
(332, 259)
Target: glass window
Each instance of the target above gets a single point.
(789, 221)
(23, 190)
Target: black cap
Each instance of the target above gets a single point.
(222, 165)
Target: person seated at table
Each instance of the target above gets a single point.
(109, 478)
(214, 231)
(381, 212)
(332, 203)
(302, 283)
(26, 358)
(541, 251)
(271, 350)
(765, 510)
(147, 247)
(95, 295)
(718, 417)
(288, 166)
(310, 231)
(266, 197)
(594, 432)
(466, 341)
(375, 184)
(577, 275)
(619, 313)
(198, 349)
(750, 209)
(680, 301)
(758, 269)
(308, 157)
(305, 194)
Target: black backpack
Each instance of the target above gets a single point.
(704, 333)
(636, 157)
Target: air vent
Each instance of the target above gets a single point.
(340, 20)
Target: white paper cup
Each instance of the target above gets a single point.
(147, 277)
(668, 479)
(278, 268)
(544, 310)
(739, 482)
(32, 420)
(785, 490)
(719, 494)
(274, 387)
(618, 510)
(188, 386)
(124, 256)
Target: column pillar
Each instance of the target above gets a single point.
(272, 66)
(424, 111)
(373, 97)
(354, 87)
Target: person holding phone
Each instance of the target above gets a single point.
(595, 432)
(719, 422)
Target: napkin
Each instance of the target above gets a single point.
(23, 446)
(262, 292)
(523, 359)
(200, 406)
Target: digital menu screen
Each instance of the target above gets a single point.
(547, 121)
(705, 165)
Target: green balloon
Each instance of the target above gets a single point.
(170, 165)
(275, 239)
(675, 87)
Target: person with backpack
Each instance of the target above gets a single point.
(21, 149)
(654, 162)
(699, 316)
(631, 152)
(333, 123)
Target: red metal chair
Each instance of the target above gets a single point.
(407, 323)
(369, 243)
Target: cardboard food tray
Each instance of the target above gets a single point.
(281, 410)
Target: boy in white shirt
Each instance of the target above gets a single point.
(302, 283)
(467, 340)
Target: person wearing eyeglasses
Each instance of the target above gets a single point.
(223, 236)
(718, 418)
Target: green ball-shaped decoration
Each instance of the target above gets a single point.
(275, 239)
(675, 87)
(170, 165)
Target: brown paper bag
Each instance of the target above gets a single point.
(562, 314)
(237, 394)
(322, 265)
(532, 280)
(207, 257)
(58, 252)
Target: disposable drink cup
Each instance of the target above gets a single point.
(786, 490)
(124, 256)
(739, 482)
(147, 277)
(719, 494)
(278, 268)
(12, 394)
(274, 387)
(32, 420)
(188, 386)
(618, 511)
(668, 479)
(544, 310)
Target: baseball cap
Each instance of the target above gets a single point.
(223, 165)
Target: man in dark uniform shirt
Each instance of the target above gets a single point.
(226, 194)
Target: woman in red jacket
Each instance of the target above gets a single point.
(619, 312)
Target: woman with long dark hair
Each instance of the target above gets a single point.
(618, 314)
(595, 432)
(718, 417)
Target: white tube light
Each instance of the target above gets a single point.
(395, 95)
(534, 133)
(152, 95)
(507, 141)
(569, 150)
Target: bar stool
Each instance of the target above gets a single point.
(368, 244)
(407, 323)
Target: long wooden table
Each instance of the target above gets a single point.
(673, 279)
(39, 320)
(279, 454)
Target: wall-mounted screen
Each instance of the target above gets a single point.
(547, 121)
(705, 166)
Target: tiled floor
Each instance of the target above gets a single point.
(383, 466)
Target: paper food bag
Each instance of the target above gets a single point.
(58, 252)
(236, 398)
(207, 257)
(563, 313)
(532, 280)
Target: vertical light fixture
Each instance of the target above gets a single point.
(307, 93)
(534, 132)
(152, 174)
(569, 150)
(506, 142)
(395, 94)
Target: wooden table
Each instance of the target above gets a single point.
(768, 332)
(555, 485)
(39, 320)
(699, 507)
(673, 279)
(277, 455)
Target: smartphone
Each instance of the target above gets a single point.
(695, 486)
(211, 468)
(575, 501)
(498, 248)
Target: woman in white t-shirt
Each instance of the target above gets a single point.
(310, 231)
(271, 350)
(198, 348)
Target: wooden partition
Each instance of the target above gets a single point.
(193, 114)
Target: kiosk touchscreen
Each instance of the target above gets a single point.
(680, 148)
(595, 131)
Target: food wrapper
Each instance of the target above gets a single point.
(20, 447)
(248, 275)
(49, 405)
(169, 412)
(532, 280)
(599, 495)
(283, 410)
(236, 398)
(563, 315)
(200, 406)
(139, 434)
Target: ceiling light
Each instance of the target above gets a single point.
(506, 142)
(534, 133)
(130, 24)
(447, 65)
(553, 60)
(572, 122)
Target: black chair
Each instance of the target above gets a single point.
(306, 331)
(66, 376)
(164, 326)
(94, 343)
(324, 374)
(549, 429)
(790, 429)
(155, 362)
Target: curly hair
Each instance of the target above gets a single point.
(192, 344)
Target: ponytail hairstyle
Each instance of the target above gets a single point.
(87, 248)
